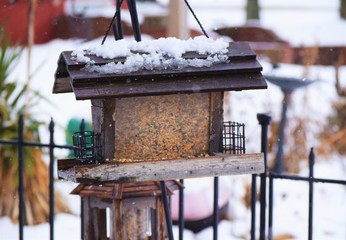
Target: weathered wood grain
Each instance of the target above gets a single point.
(194, 84)
(166, 170)
(216, 120)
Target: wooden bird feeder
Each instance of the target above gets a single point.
(159, 124)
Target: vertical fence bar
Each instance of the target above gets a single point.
(216, 208)
(311, 192)
(166, 210)
(234, 144)
(264, 121)
(181, 211)
(51, 179)
(253, 206)
(253, 197)
(243, 145)
(270, 207)
(82, 229)
(21, 175)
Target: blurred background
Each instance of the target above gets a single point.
(299, 41)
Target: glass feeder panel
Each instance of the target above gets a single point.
(162, 127)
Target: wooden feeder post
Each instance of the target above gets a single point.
(156, 125)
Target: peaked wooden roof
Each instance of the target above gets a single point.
(242, 72)
(125, 190)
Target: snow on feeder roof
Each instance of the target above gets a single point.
(163, 53)
(155, 67)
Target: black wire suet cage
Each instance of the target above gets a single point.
(87, 147)
(233, 138)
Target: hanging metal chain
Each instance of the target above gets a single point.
(134, 19)
(110, 25)
(117, 27)
(194, 15)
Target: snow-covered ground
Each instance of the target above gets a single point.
(308, 22)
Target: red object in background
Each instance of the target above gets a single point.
(14, 18)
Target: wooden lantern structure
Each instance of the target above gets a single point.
(128, 203)
(160, 125)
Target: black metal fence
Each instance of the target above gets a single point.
(21, 143)
(266, 226)
(234, 133)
